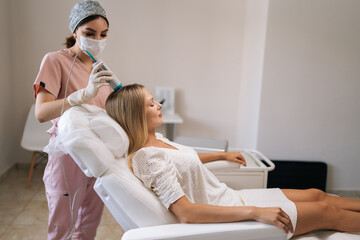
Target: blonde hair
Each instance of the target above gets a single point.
(127, 107)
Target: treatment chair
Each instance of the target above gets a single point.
(98, 145)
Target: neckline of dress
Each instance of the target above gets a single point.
(166, 142)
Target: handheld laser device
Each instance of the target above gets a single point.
(115, 84)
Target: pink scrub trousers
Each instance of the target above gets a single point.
(88, 207)
(52, 76)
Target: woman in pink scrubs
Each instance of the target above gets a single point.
(89, 27)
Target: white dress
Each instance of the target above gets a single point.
(173, 173)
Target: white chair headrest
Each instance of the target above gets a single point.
(111, 133)
(98, 145)
(92, 138)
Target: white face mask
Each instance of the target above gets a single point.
(95, 47)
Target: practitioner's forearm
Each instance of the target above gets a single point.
(47, 108)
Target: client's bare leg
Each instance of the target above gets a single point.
(315, 195)
(322, 215)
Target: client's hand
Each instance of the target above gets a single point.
(274, 216)
(235, 157)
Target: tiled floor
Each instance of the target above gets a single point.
(24, 212)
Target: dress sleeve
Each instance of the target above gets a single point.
(49, 76)
(158, 173)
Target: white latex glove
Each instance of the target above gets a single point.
(96, 81)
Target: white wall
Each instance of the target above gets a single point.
(36, 27)
(249, 93)
(194, 46)
(310, 106)
(212, 52)
(6, 97)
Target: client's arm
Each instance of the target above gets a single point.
(189, 212)
(230, 156)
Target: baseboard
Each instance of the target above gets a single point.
(344, 189)
(349, 193)
(22, 165)
(5, 172)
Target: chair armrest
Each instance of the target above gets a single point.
(211, 231)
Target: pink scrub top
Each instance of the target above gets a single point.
(53, 74)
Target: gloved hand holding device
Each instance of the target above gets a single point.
(98, 78)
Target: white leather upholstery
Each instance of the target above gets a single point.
(77, 138)
(95, 141)
(210, 231)
(99, 151)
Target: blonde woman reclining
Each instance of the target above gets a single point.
(175, 173)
